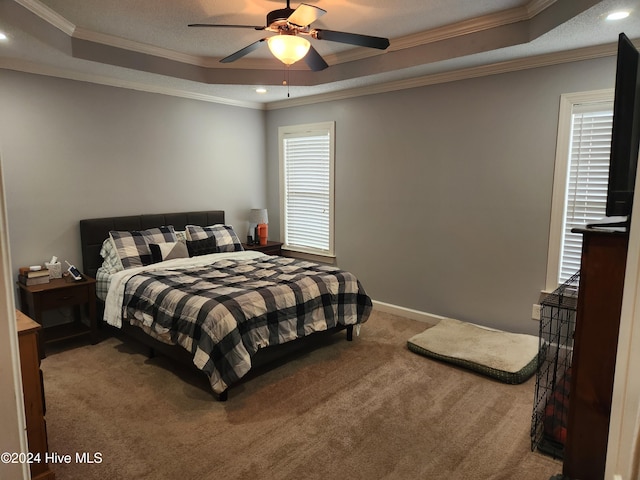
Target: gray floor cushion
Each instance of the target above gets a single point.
(507, 357)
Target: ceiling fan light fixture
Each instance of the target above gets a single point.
(288, 48)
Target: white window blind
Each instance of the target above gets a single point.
(307, 188)
(587, 178)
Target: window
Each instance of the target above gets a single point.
(306, 187)
(580, 178)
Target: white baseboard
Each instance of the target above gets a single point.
(406, 312)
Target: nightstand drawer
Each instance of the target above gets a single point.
(275, 250)
(271, 248)
(64, 298)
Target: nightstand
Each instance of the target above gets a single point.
(33, 394)
(271, 248)
(61, 293)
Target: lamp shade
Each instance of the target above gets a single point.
(288, 48)
(258, 216)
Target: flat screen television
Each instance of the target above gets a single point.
(625, 135)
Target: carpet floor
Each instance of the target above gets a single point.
(367, 409)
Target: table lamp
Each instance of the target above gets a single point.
(260, 218)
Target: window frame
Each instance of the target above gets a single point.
(320, 128)
(561, 176)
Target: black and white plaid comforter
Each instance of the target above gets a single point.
(224, 312)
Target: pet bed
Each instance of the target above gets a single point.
(508, 357)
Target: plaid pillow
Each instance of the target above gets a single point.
(133, 247)
(111, 261)
(226, 239)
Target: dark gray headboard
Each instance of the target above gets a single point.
(94, 231)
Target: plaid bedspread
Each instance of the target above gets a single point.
(225, 312)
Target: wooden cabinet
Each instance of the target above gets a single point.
(33, 391)
(604, 255)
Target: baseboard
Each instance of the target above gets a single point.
(406, 312)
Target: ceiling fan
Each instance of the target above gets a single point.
(289, 46)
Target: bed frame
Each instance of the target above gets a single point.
(94, 231)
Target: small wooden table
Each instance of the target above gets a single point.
(61, 293)
(271, 248)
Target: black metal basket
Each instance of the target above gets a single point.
(551, 399)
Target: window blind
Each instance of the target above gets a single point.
(307, 191)
(587, 178)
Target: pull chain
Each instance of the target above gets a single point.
(286, 78)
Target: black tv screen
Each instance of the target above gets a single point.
(626, 131)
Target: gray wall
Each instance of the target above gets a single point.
(74, 150)
(443, 193)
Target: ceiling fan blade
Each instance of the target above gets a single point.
(241, 53)
(305, 15)
(351, 38)
(224, 26)
(314, 61)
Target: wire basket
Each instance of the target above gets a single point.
(553, 381)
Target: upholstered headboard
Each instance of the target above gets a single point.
(94, 231)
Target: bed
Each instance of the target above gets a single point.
(182, 284)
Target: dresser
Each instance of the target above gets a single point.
(33, 391)
(604, 255)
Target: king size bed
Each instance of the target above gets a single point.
(182, 284)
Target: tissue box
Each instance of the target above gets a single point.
(55, 269)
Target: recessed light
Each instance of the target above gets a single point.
(3, 36)
(618, 15)
(261, 90)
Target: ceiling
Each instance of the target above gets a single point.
(146, 44)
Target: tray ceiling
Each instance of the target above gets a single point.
(146, 44)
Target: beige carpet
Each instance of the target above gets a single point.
(370, 409)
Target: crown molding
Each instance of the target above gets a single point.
(48, 15)
(138, 47)
(534, 7)
(473, 25)
(146, 49)
(527, 63)
(49, 71)
(539, 61)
